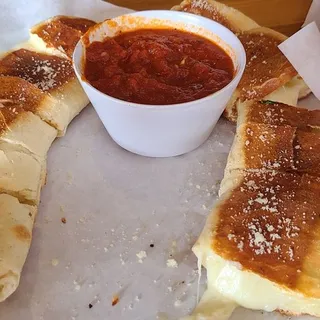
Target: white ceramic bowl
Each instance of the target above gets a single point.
(165, 130)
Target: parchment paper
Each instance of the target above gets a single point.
(313, 14)
(305, 57)
(116, 204)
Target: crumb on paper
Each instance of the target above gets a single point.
(134, 238)
(90, 305)
(81, 220)
(121, 260)
(54, 262)
(47, 219)
(198, 187)
(115, 300)
(77, 287)
(69, 178)
(137, 298)
(141, 255)
(61, 208)
(170, 289)
(105, 249)
(64, 220)
(204, 207)
(195, 272)
(177, 303)
(171, 263)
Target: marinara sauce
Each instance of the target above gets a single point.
(157, 66)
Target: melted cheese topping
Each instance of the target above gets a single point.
(229, 286)
(252, 291)
(212, 306)
(288, 94)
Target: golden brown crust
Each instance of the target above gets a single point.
(47, 72)
(270, 220)
(33, 89)
(266, 146)
(276, 136)
(16, 97)
(267, 32)
(267, 68)
(230, 111)
(20, 92)
(22, 233)
(62, 32)
(280, 114)
(229, 17)
(267, 224)
(260, 44)
(206, 9)
(314, 120)
(260, 80)
(307, 151)
(77, 23)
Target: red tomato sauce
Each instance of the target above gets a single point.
(157, 66)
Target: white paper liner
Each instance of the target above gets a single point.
(313, 14)
(19, 15)
(116, 204)
(303, 51)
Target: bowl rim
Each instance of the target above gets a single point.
(236, 78)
